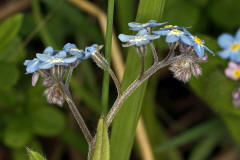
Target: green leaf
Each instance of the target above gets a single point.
(102, 148)
(9, 75)
(124, 125)
(47, 121)
(34, 155)
(9, 29)
(18, 132)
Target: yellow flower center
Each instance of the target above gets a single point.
(176, 32)
(236, 73)
(197, 40)
(235, 46)
(168, 26)
(57, 60)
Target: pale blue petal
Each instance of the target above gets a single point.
(70, 59)
(33, 66)
(205, 47)
(78, 54)
(225, 40)
(199, 50)
(237, 37)
(61, 54)
(152, 37)
(43, 57)
(26, 62)
(46, 65)
(133, 24)
(48, 50)
(171, 38)
(224, 54)
(141, 43)
(235, 56)
(125, 38)
(161, 32)
(69, 46)
(142, 32)
(186, 40)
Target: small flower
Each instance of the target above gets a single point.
(197, 43)
(58, 59)
(73, 50)
(233, 71)
(54, 95)
(32, 65)
(139, 26)
(184, 68)
(230, 46)
(142, 38)
(92, 49)
(173, 34)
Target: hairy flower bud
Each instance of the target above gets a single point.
(54, 95)
(100, 60)
(184, 68)
(35, 77)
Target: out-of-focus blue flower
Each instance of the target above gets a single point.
(60, 58)
(32, 65)
(230, 46)
(142, 38)
(139, 26)
(197, 43)
(73, 50)
(173, 34)
(49, 50)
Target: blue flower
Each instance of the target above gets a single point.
(32, 65)
(173, 34)
(73, 50)
(197, 43)
(139, 26)
(92, 49)
(230, 46)
(142, 38)
(48, 61)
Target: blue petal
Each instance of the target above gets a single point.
(90, 50)
(209, 50)
(70, 59)
(142, 32)
(237, 37)
(134, 24)
(235, 57)
(33, 66)
(48, 50)
(61, 54)
(225, 40)
(46, 65)
(141, 43)
(224, 54)
(171, 38)
(43, 57)
(161, 32)
(186, 40)
(78, 54)
(199, 50)
(125, 38)
(26, 62)
(69, 46)
(152, 37)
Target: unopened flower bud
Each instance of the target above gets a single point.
(100, 60)
(141, 50)
(196, 69)
(35, 77)
(54, 95)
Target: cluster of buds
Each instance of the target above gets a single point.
(52, 66)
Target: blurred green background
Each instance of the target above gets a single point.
(194, 121)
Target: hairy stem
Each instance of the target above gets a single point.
(142, 67)
(116, 81)
(69, 77)
(76, 114)
(155, 55)
(117, 104)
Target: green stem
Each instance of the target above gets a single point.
(108, 44)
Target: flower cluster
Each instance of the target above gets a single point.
(52, 65)
(190, 47)
(231, 50)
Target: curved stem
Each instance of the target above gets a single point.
(76, 114)
(155, 55)
(117, 104)
(116, 81)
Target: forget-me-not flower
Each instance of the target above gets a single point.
(142, 38)
(230, 46)
(73, 50)
(59, 58)
(173, 34)
(139, 26)
(197, 43)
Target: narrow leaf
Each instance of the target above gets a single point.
(102, 150)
